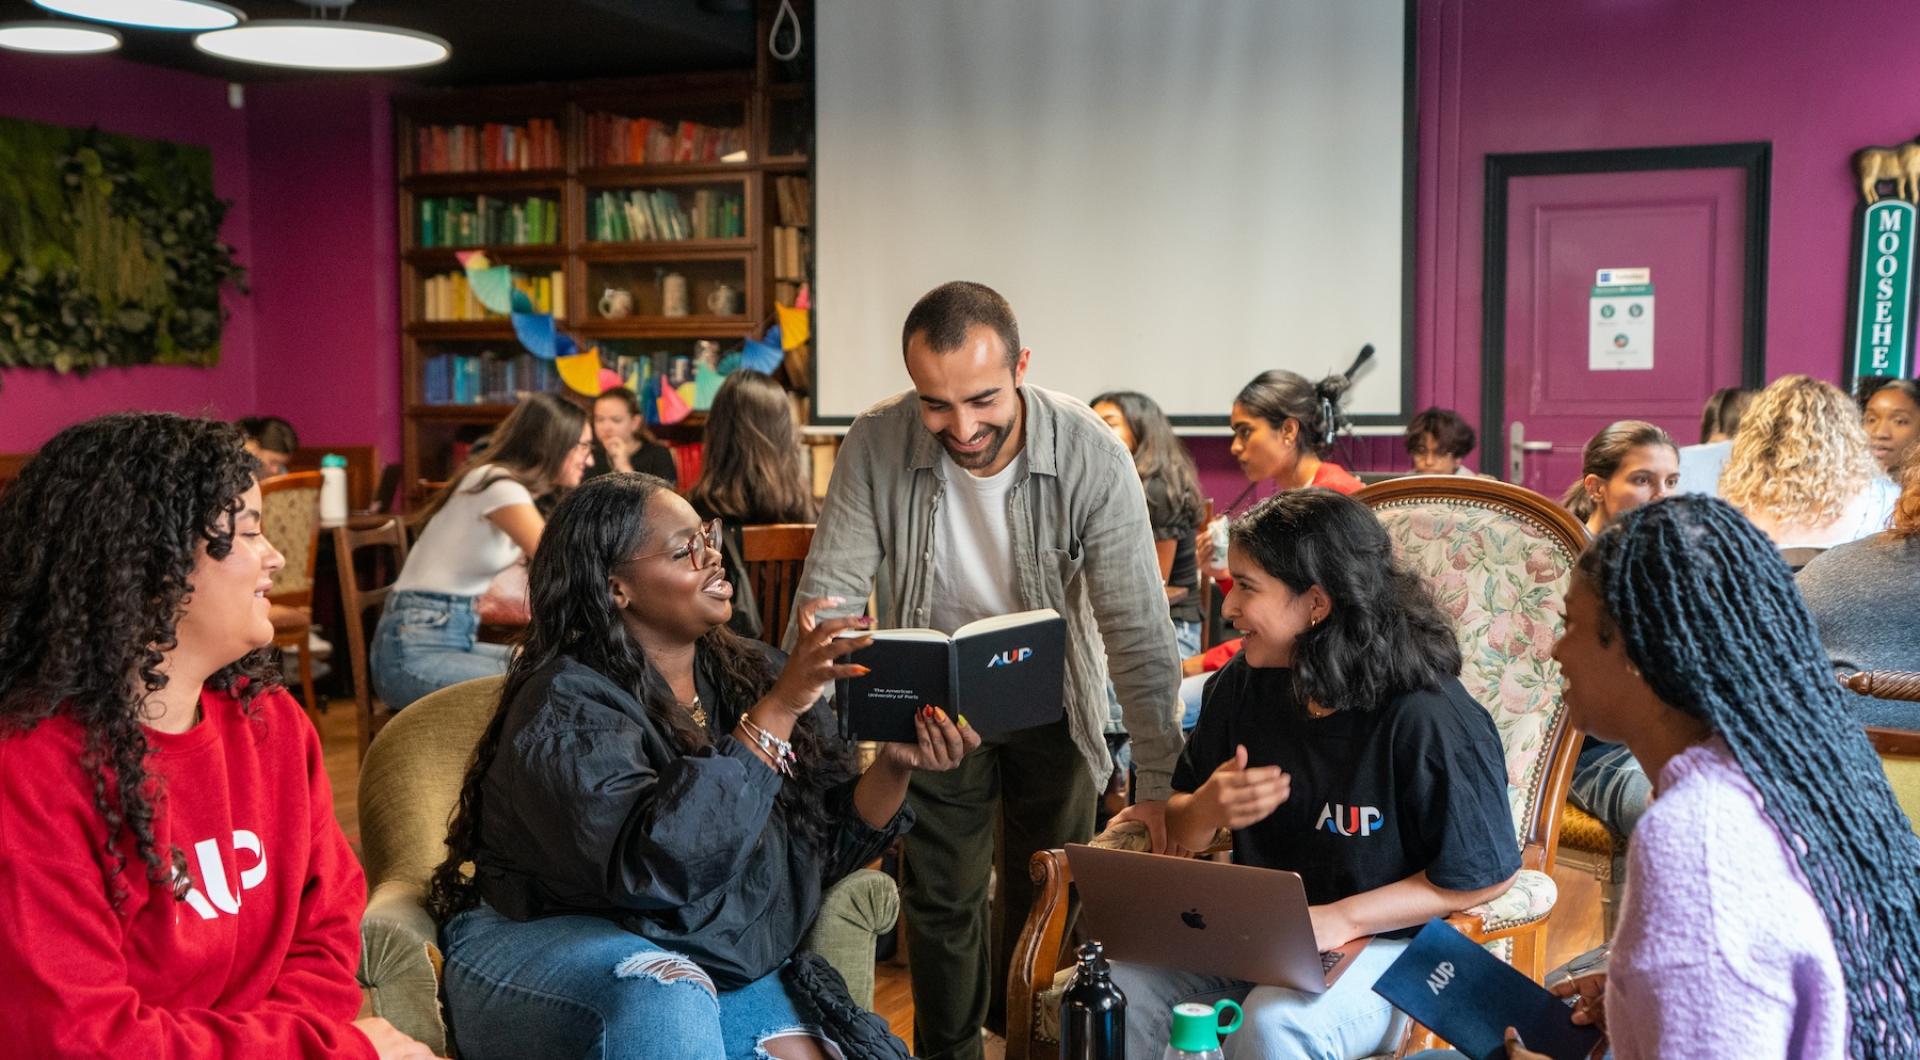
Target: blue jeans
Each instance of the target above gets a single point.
(1186, 637)
(427, 641)
(1191, 691)
(1347, 1021)
(581, 986)
(1609, 784)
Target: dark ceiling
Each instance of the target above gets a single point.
(496, 42)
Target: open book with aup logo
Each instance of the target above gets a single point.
(1004, 674)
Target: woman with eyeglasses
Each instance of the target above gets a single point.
(483, 522)
(658, 805)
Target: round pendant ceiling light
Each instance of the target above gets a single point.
(325, 44)
(150, 14)
(62, 38)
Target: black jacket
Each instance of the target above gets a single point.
(589, 809)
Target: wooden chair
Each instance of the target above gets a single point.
(356, 602)
(10, 465)
(774, 555)
(290, 517)
(1516, 581)
(1899, 749)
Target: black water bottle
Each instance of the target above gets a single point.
(1093, 1011)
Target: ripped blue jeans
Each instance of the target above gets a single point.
(581, 986)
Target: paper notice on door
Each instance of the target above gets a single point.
(1620, 328)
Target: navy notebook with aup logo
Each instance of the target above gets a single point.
(1470, 997)
(1004, 673)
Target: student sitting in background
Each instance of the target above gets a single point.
(1775, 905)
(1700, 465)
(621, 441)
(1801, 468)
(657, 807)
(1627, 465)
(1892, 422)
(1283, 427)
(1855, 591)
(1347, 694)
(271, 440)
(752, 473)
(483, 522)
(1437, 441)
(173, 877)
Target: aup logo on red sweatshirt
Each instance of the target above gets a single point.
(211, 893)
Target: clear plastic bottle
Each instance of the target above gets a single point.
(1093, 1011)
(1197, 1031)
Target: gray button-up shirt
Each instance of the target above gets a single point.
(1081, 544)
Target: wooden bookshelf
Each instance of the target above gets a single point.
(721, 240)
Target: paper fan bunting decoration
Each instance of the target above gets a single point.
(804, 300)
(761, 356)
(706, 383)
(581, 371)
(794, 326)
(673, 408)
(609, 379)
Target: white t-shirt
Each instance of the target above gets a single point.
(973, 569)
(461, 549)
(1867, 513)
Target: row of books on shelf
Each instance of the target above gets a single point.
(644, 216)
(614, 140)
(489, 147)
(453, 221)
(793, 197)
(789, 253)
(485, 379)
(449, 297)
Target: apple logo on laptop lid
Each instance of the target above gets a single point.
(1193, 919)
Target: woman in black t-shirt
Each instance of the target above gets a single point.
(1339, 745)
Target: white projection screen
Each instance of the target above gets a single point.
(1175, 195)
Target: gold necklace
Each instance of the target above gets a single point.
(697, 712)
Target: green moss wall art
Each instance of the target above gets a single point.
(110, 251)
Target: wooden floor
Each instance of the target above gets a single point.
(1574, 930)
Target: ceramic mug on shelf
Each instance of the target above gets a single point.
(616, 302)
(723, 300)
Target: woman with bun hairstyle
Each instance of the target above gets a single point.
(1283, 430)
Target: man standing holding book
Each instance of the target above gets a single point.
(974, 495)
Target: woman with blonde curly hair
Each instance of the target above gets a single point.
(1801, 468)
(1847, 589)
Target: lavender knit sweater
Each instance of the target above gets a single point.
(1721, 949)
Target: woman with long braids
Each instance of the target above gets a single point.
(173, 878)
(654, 812)
(1775, 905)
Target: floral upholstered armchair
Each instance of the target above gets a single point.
(1498, 558)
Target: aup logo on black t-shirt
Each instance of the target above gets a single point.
(1341, 819)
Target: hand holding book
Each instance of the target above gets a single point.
(816, 660)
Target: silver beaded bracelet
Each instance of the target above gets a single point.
(781, 751)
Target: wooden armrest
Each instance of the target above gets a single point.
(1036, 954)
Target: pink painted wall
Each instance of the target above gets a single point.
(124, 97)
(1501, 76)
(325, 291)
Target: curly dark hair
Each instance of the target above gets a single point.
(596, 527)
(98, 540)
(1385, 634)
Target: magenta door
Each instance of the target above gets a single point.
(1690, 228)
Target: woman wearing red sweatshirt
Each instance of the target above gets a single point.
(172, 879)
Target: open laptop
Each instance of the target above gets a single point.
(1204, 916)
